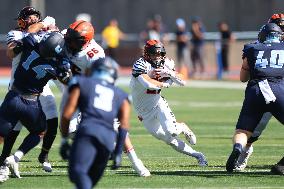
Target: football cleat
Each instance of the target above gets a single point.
(243, 159)
(277, 169)
(140, 168)
(4, 173)
(201, 159)
(13, 166)
(46, 166)
(232, 160)
(43, 159)
(189, 135)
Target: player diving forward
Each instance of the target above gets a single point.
(152, 109)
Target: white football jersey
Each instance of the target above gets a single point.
(144, 99)
(87, 56)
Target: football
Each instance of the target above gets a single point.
(163, 79)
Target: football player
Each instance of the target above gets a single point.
(248, 149)
(100, 102)
(263, 69)
(151, 73)
(83, 51)
(29, 21)
(22, 100)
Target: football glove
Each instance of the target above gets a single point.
(48, 21)
(65, 149)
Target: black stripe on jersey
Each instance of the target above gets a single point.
(140, 67)
(10, 38)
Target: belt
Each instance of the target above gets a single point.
(27, 96)
(153, 91)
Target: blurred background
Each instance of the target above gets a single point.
(223, 26)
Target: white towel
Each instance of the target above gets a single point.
(266, 91)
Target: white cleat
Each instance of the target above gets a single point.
(201, 159)
(189, 135)
(243, 159)
(13, 166)
(46, 166)
(141, 170)
(4, 173)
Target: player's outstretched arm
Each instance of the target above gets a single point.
(150, 83)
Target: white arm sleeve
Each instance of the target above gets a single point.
(177, 80)
(147, 84)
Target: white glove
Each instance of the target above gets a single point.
(48, 21)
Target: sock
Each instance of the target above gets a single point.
(49, 136)
(8, 145)
(238, 147)
(132, 155)
(29, 143)
(18, 155)
(182, 147)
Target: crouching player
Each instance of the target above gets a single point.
(263, 69)
(150, 73)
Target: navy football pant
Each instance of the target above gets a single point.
(254, 106)
(88, 160)
(16, 108)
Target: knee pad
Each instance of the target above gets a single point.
(5, 128)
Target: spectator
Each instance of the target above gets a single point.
(182, 48)
(226, 39)
(111, 37)
(197, 40)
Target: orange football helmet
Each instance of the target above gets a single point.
(154, 53)
(78, 35)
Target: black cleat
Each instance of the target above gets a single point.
(277, 169)
(231, 162)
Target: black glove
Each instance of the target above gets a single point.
(18, 48)
(65, 149)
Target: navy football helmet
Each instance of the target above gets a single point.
(105, 69)
(155, 53)
(52, 45)
(269, 31)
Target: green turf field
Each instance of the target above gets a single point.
(212, 114)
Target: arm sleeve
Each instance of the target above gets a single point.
(147, 84)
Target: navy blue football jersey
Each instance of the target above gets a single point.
(99, 103)
(31, 75)
(266, 60)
